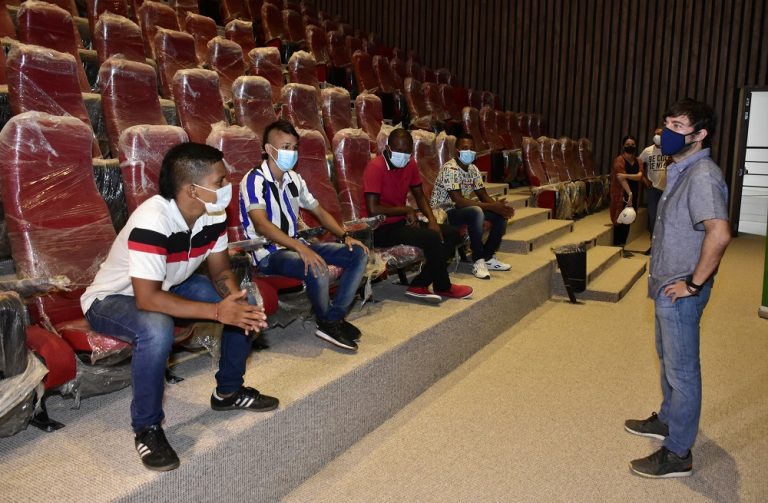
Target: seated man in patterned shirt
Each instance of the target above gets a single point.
(457, 181)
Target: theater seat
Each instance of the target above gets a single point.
(203, 29)
(446, 147)
(230, 10)
(369, 116)
(116, 35)
(175, 50)
(198, 102)
(317, 43)
(340, 60)
(351, 153)
(184, 7)
(7, 28)
(421, 117)
(225, 57)
(252, 99)
(272, 22)
(142, 149)
(362, 64)
(302, 69)
(95, 8)
(471, 121)
(265, 62)
(398, 72)
(513, 125)
(337, 110)
(128, 97)
(313, 168)
(425, 155)
(487, 116)
(532, 162)
(384, 75)
(502, 129)
(300, 108)
(241, 32)
(153, 16)
(293, 25)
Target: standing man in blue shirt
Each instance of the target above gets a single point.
(689, 239)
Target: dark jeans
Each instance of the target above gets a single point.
(436, 253)
(473, 217)
(151, 334)
(654, 196)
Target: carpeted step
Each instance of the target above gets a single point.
(535, 236)
(526, 216)
(496, 189)
(612, 283)
(518, 199)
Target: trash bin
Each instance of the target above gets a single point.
(572, 261)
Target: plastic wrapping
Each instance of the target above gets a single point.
(152, 16)
(370, 116)
(294, 26)
(353, 44)
(184, 7)
(425, 155)
(421, 117)
(433, 101)
(448, 101)
(95, 8)
(51, 203)
(272, 22)
(252, 98)
(94, 380)
(362, 64)
(400, 256)
(351, 154)
(300, 108)
(226, 59)
(31, 287)
(475, 98)
(265, 62)
(488, 99)
(571, 158)
(233, 9)
(532, 162)
(513, 126)
(383, 137)
(198, 102)
(337, 110)
(175, 50)
(203, 30)
(142, 149)
(503, 131)
(117, 35)
(487, 116)
(17, 396)
(413, 69)
(302, 69)
(471, 120)
(109, 182)
(313, 167)
(446, 147)
(241, 32)
(317, 41)
(47, 25)
(13, 326)
(99, 348)
(398, 72)
(585, 156)
(535, 125)
(461, 97)
(7, 28)
(384, 74)
(337, 50)
(555, 149)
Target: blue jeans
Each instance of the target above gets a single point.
(288, 263)
(677, 344)
(474, 217)
(151, 334)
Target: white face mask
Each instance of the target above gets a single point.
(223, 197)
(399, 159)
(657, 140)
(286, 159)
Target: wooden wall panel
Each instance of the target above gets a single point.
(594, 68)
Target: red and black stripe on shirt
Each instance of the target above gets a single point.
(178, 246)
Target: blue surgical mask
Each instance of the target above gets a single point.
(286, 159)
(673, 142)
(223, 197)
(467, 156)
(399, 159)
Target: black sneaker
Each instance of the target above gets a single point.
(651, 427)
(663, 464)
(246, 398)
(351, 331)
(332, 332)
(155, 451)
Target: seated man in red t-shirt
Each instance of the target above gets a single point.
(386, 183)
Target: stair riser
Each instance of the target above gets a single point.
(558, 289)
(525, 247)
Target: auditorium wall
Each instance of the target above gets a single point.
(595, 68)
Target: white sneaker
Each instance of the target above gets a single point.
(494, 265)
(480, 270)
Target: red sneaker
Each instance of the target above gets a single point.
(423, 293)
(457, 292)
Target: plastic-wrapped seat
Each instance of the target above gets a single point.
(230, 10)
(362, 64)
(198, 102)
(241, 32)
(434, 101)
(293, 25)
(117, 35)
(488, 129)
(128, 97)
(443, 75)
(317, 42)
(302, 69)
(47, 25)
(252, 99)
(446, 147)
(425, 155)
(353, 44)
(513, 125)
(265, 62)
(339, 60)
(413, 69)
(421, 117)
(585, 156)
(337, 110)
(68, 5)
(184, 7)
(203, 29)
(142, 149)
(546, 195)
(96, 8)
(475, 98)
(7, 28)
(175, 50)
(300, 108)
(398, 72)
(313, 168)
(369, 116)
(225, 57)
(153, 16)
(471, 120)
(272, 22)
(44, 80)
(448, 101)
(552, 157)
(384, 75)
(502, 127)
(351, 153)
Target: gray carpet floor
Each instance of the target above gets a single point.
(537, 415)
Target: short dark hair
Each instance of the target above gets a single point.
(186, 163)
(399, 133)
(628, 137)
(465, 136)
(701, 115)
(281, 125)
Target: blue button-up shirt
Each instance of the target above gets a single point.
(695, 192)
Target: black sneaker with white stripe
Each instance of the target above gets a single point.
(246, 398)
(155, 451)
(351, 331)
(331, 331)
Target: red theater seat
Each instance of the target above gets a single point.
(7, 28)
(67, 5)
(532, 162)
(434, 101)
(198, 102)
(351, 153)
(317, 42)
(398, 72)
(513, 125)
(362, 64)
(128, 97)
(203, 29)
(225, 57)
(425, 155)
(471, 120)
(302, 69)
(447, 99)
(142, 149)
(337, 110)
(552, 160)
(446, 148)
(384, 75)
(487, 116)
(47, 25)
(313, 168)
(184, 7)
(175, 50)
(421, 117)
(117, 35)
(429, 75)
(369, 116)
(252, 98)
(272, 22)
(339, 58)
(241, 32)
(265, 62)
(300, 108)
(230, 10)
(293, 25)
(586, 158)
(503, 130)
(153, 16)
(96, 8)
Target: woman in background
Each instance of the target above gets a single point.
(626, 174)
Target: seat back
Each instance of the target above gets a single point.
(398, 72)
(175, 50)
(475, 98)
(503, 130)
(68, 5)
(117, 35)
(535, 125)
(241, 32)
(252, 98)
(421, 117)
(488, 99)
(370, 116)
(448, 101)
(293, 26)
(413, 69)
(470, 117)
(96, 8)
(461, 96)
(198, 102)
(153, 16)
(142, 149)
(362, 64)
(57, 221)
(7, 28)
(353, 44)
(302, 69)
(313, 167)
(586, 158)
(351, 154)
(384, 75)
(272, 22)
(488, 129)
(225, 57)
(128, 97)
(232, 9)
(433, 101)
(47, 25)
(552, 157)
(425, 155)
(184, 7)
(571, 158)
(265, 62)
(446, 147)
(300, 108)
(317, 41)
(203, 29)
(532, 162)
(337, 110)
(338, 52)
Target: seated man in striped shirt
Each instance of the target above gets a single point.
(270, 198)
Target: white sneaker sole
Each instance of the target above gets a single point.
(429, 298)
(492, 268)
(327, 338)
(665, 476)
(641, 434)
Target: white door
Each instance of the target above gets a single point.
(753, 218)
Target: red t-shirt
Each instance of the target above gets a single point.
(392, 184)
